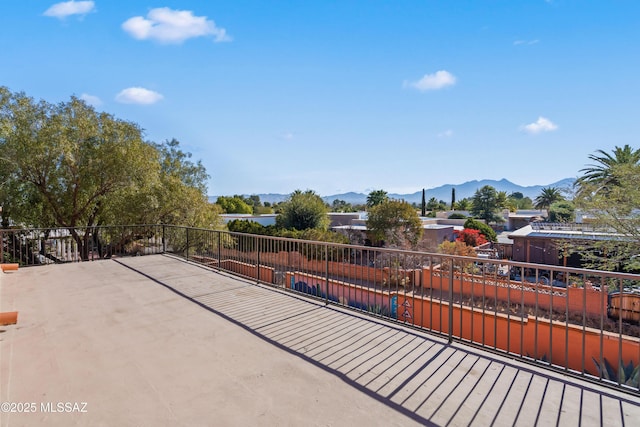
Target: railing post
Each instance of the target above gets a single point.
(326, 273)
(187, 252)
(219, 249)
(257, 259)
(451, 302)
(164, 242)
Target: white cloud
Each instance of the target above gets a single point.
(526, 42)
(438, 80)
(288, 136)
(138, 95)
(540, 125)
(173, 26)
(67, 8)
(91, 100)
(446, 134)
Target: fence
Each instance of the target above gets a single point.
(582, 322)
(59, 245)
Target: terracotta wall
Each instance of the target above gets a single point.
(361, 297)
(557, 342)
(546, 297)
(248, 270)
(344, 270)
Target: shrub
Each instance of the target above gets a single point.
(487, 231)
(471, 237)
(457, 215)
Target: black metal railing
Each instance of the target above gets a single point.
(582, 322)
(28, 247)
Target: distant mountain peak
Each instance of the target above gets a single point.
(464, 190)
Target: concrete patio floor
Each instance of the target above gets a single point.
(157, 341)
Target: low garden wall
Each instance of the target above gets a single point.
(556, 342)
(545, 297)
(248, 270)
(267, 274)
(360, 297)
(344, 270)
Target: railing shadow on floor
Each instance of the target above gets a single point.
(417, 375)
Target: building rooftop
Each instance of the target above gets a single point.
(561, 231)
(155, 340)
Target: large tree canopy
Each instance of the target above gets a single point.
(615, 211)
(302, 211)
(485, 204)
(234, 205)
(66, 165)
(547, 197)
(601, 176)
(396, 223)
(70, 156)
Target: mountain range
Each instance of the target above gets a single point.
(466, 189)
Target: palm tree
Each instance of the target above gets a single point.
(547, 197)
(463, 204)
(501, 199)
(601, 175)
(376, 197)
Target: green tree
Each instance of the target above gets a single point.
(78, 167)
(547, 197)
(177, 195)
(615, 212)
(169, 197)
(434, 205)
(339, 205)
(516, 195)
(234, 205)
(517, 200)
(256, 205)
(376, 197)
(602, 175)
(457, 215)
(246, 226)
(562, 211)
(396, 223)
(303, 210)
(463, 204)
(502, 199)
(423, 205)
(485, 204)
(72, 158)
(453, 198)
(175, 162)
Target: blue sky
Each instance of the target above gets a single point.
(339, 96)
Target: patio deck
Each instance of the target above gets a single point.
(155, 340)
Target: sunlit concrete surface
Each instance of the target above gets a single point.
(157, 341)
